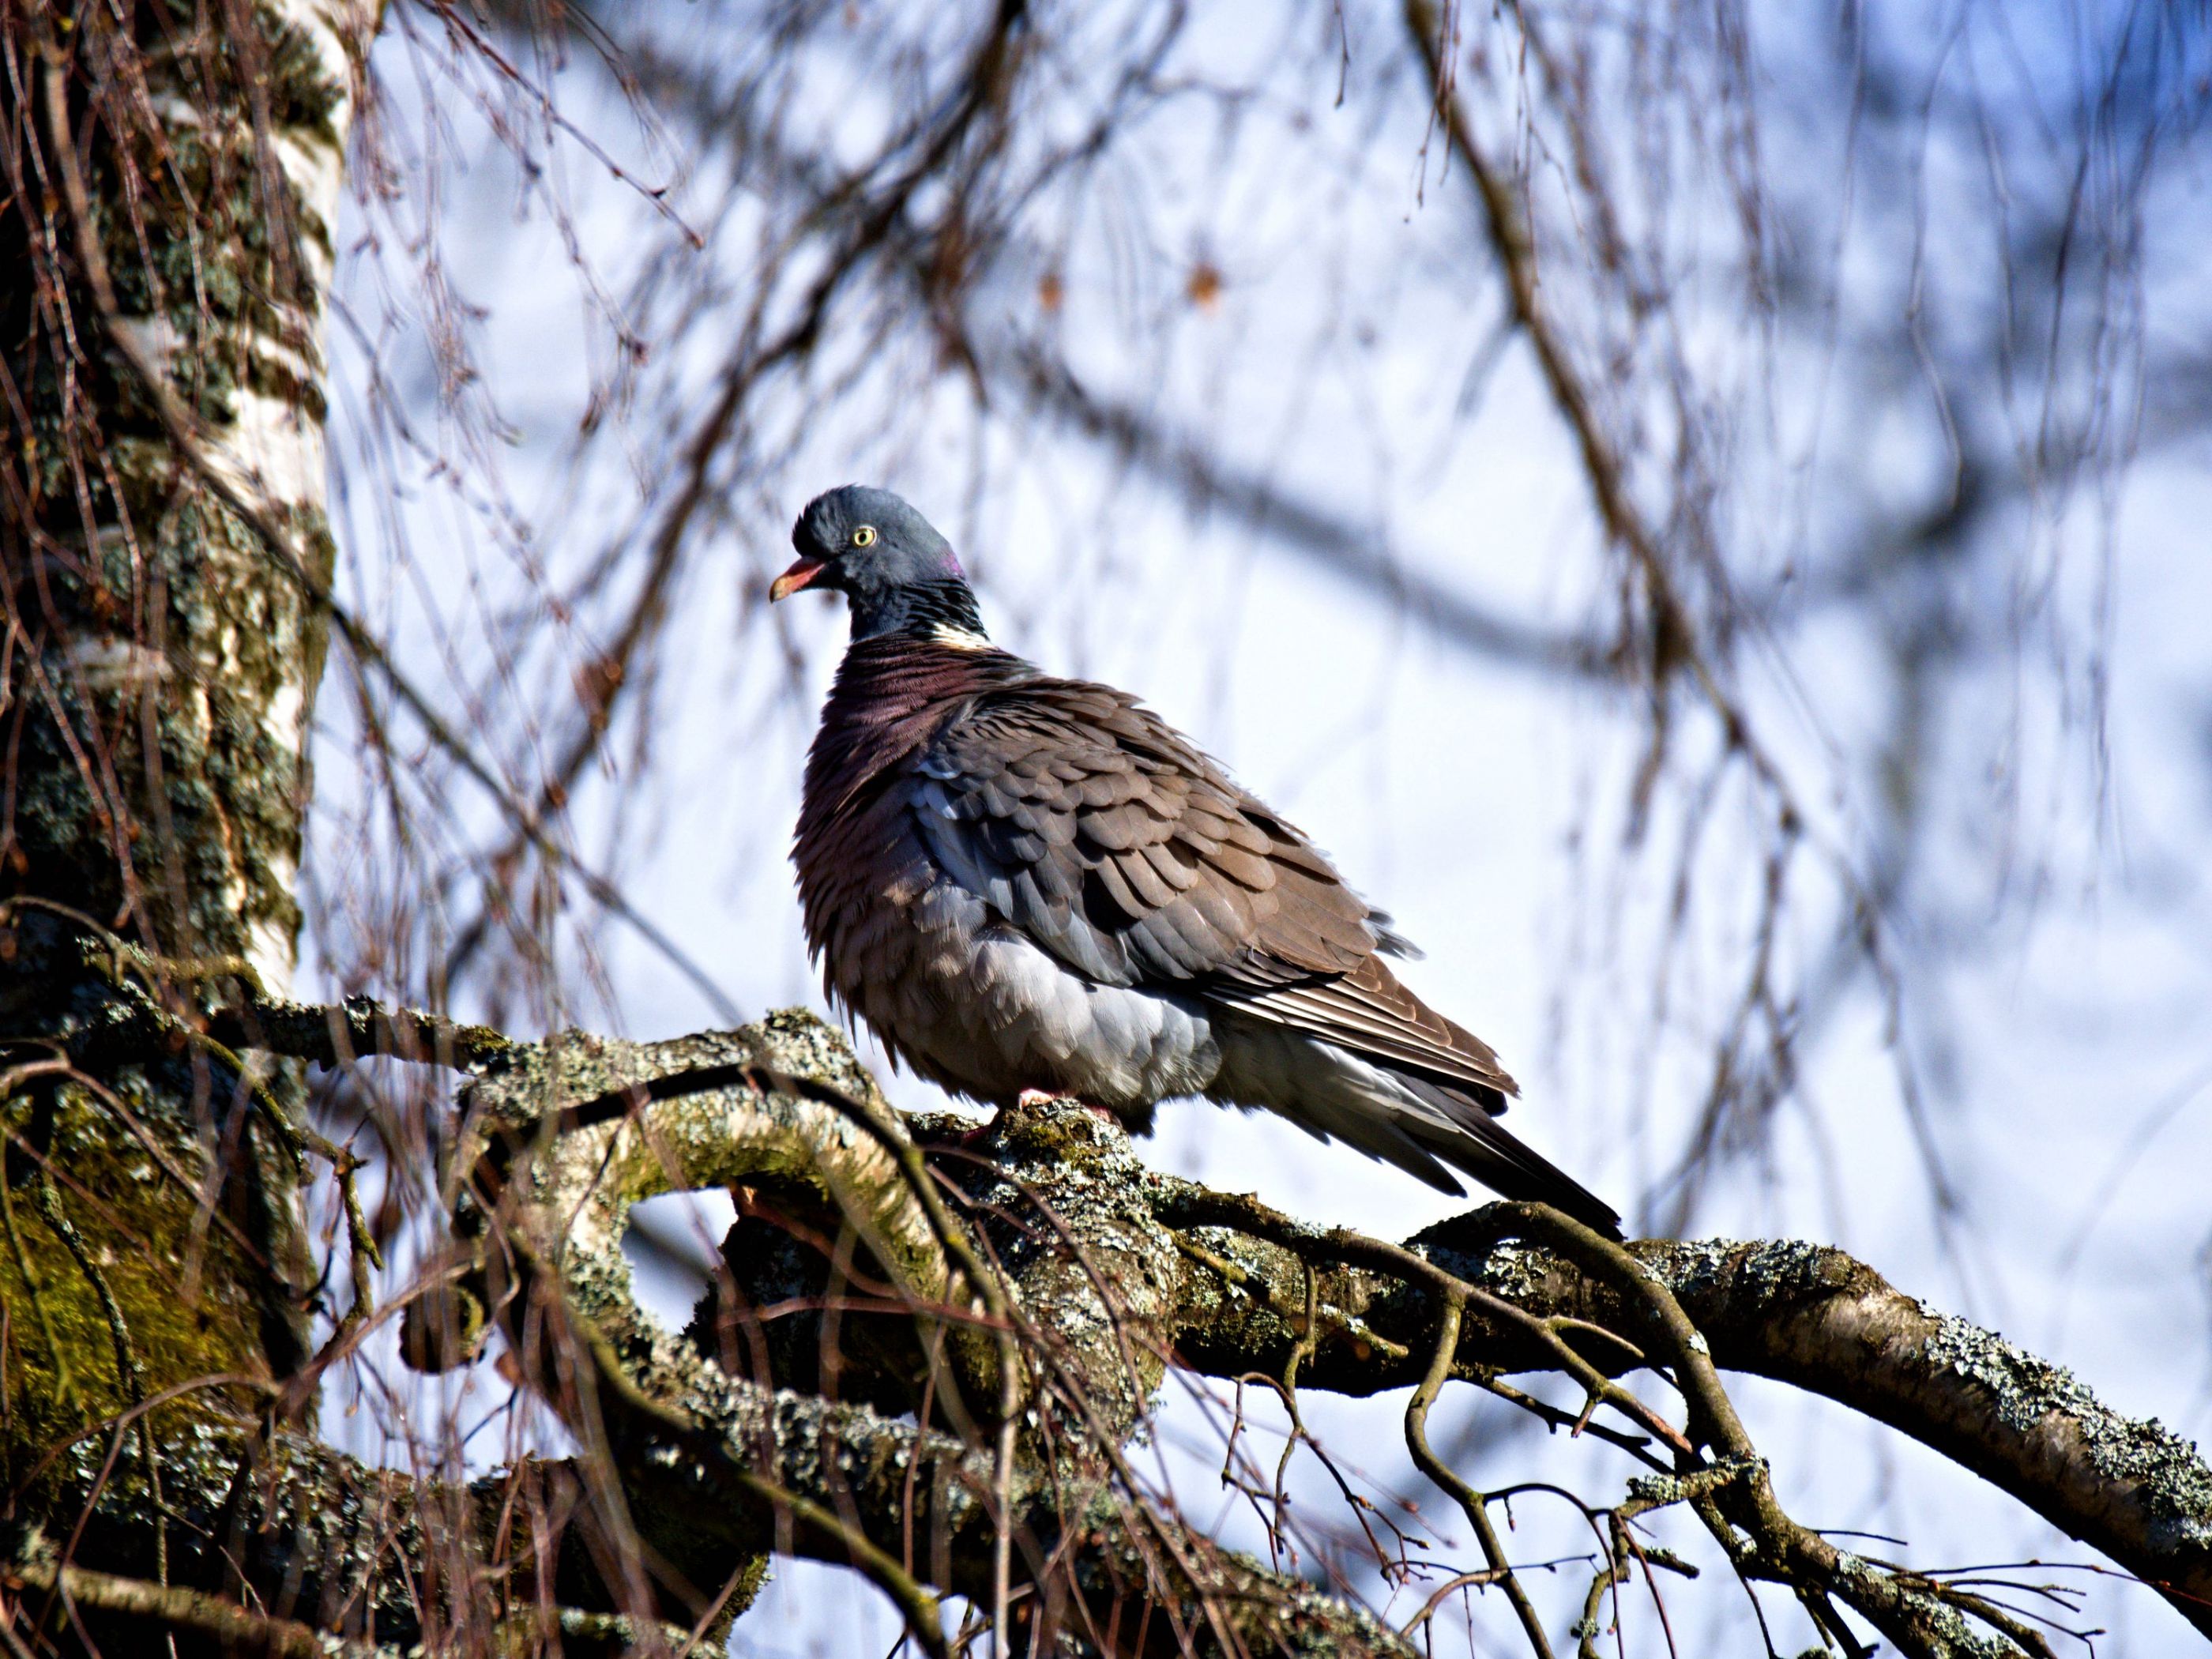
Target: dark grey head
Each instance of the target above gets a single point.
(888, 561)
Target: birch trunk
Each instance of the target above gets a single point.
(173, 174)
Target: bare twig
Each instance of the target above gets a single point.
(1472, 1505)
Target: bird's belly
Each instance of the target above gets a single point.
(980, 1008)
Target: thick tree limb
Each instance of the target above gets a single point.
(760, 1467)
(167, 1607)
(1237, 1277)
(1104, 1272)
(1801, 1314)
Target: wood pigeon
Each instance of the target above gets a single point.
(1025, 883)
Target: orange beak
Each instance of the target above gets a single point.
(794, 579)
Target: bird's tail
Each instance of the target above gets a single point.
(1469, 1138)
(1401, 1117)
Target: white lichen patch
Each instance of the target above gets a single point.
(2033, 1396)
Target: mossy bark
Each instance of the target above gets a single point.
(176, 179)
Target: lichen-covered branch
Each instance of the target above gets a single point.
(1805, 1315)
(290, 1536)
(1111, 1269)
(155, 1608)
(836, 1393)
(782, 1111)
(1827, 1323)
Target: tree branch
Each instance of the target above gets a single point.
(758, 1466)
(1801, 1314)
(1049, 1230)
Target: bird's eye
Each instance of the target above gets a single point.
(864, 536)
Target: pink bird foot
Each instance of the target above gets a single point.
(1029, 1100)
(1031, 1097)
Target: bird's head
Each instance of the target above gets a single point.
(898, 574)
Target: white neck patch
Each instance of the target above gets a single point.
(960, 639)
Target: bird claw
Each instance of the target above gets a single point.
(1028, 1100)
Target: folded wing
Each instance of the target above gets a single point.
(1116, 846)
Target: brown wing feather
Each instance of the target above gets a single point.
(1368, 1012)
(1113, 843)
(1120, 846)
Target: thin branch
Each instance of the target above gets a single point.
(172, 1607)
(1472, 1505)
(259, 514)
